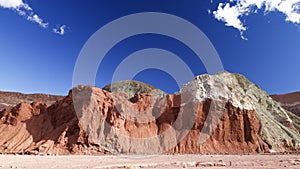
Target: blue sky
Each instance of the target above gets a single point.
(39, 49)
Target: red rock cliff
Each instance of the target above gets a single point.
(94, 121)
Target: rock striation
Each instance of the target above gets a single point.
(221, 113)
(11, 99)
(290, 101)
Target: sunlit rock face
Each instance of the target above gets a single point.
(11, 99)
(221, 113)
(290, 101)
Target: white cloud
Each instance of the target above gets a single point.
(232, 11)
(60, 30)
(230, 15)
(11, 3)
(35, 18)
(23, 9)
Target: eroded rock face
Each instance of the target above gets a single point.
(223, 113)
(279, 128)
(11, 99)
(290, 102)
(3, 106)
(37, 129)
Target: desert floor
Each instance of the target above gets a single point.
(156, 161)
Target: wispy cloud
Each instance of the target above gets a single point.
(232, 11)
(23, 9)
(27, 12)
(61, 30)
(35, 18)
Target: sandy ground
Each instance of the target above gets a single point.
(158, 161)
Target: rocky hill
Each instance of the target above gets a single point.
(290, 101)
(11, 99)
(221, 113)
(132, 87)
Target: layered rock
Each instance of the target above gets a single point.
(222, 113)
(290, 101)
(279, 128)
(11, 99)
